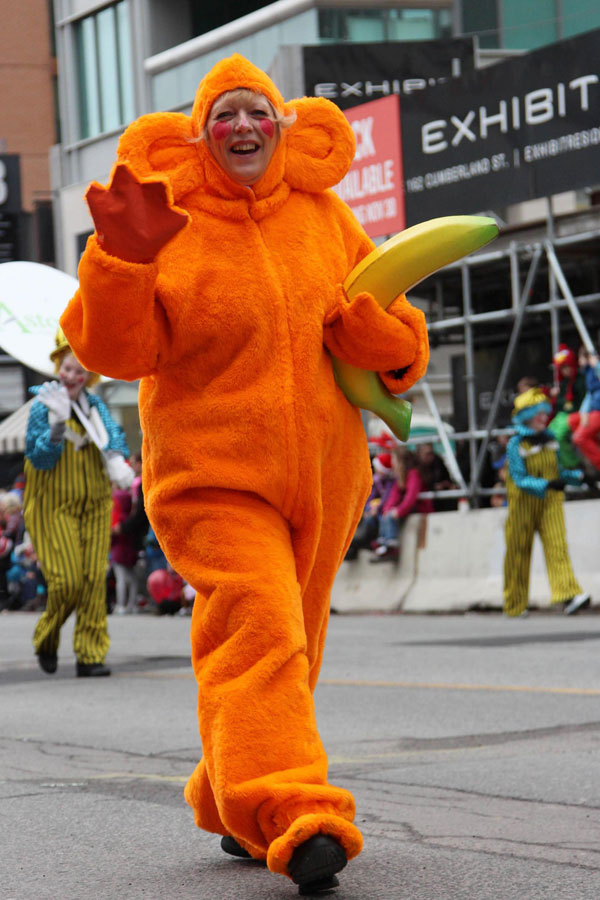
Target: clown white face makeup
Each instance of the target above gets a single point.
(73, 376)
(242, 135)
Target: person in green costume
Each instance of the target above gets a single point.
(567, 394)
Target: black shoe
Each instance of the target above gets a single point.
(48, 662)
(314, 864)
(92, 670)
(231, 846)
(316, 887)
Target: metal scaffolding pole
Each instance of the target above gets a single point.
(552, 292)
(469, 374)
(451, 463)
(560, 297)
(508, 358)
(566, 292)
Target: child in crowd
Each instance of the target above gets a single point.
(6, 546)
(368, 527)
(567, 395)
(155, 558)
(402, 499)
(526, 382)
(123, 555)
(26, 584)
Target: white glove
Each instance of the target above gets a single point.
(118, 469)
(56, 398)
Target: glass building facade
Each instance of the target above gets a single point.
(104, 66)
(527, 24)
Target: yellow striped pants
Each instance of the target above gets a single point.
(526, 515)
(72, 545)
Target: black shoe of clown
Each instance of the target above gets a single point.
(92, 670)
(48, 662)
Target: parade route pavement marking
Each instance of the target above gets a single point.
(418, 685)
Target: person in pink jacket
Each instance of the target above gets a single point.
(401, 501)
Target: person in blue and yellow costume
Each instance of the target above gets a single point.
(535, 483)
(221, 253)
(67, 507)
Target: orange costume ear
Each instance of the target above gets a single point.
(319, 145)
(162, 144)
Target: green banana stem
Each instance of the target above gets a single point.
(439, 242)
(367, 390)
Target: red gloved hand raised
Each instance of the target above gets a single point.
(133, 219)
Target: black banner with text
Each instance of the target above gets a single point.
(350, 74)
(525, 128)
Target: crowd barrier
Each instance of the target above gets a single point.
(452, 562)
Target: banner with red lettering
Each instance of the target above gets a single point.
(373, 188)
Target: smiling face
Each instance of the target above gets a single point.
(73, 376)
(242, 134)
(538, 422)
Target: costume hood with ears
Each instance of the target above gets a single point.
(313, 154)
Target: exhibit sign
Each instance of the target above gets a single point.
(525, 128)
(351, 73)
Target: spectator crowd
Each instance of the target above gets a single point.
(138, 576)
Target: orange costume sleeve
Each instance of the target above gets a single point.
(256, 467)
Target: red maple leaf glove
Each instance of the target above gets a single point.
(133, 219)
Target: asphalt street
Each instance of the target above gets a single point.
(471, 743)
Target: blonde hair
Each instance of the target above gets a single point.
(246, 94)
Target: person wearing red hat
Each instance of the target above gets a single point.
(367, 530)
(567, 396)
(215, 276)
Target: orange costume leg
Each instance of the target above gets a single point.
(263, 778)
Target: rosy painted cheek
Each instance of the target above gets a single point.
(221, 130)
(267, 127)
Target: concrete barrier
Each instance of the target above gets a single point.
(452, 562)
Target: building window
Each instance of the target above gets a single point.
(578, 16)
(481, 17)
(527, 24)
(368, 25)
(103, 48)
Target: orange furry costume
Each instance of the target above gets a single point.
(256, 467)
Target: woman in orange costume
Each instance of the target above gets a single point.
(215, 275)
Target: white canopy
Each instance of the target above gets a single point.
(13, 430)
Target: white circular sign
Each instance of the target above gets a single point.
(32, 299)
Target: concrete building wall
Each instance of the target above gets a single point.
(27, 67)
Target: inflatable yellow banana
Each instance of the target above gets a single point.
(393, 269)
